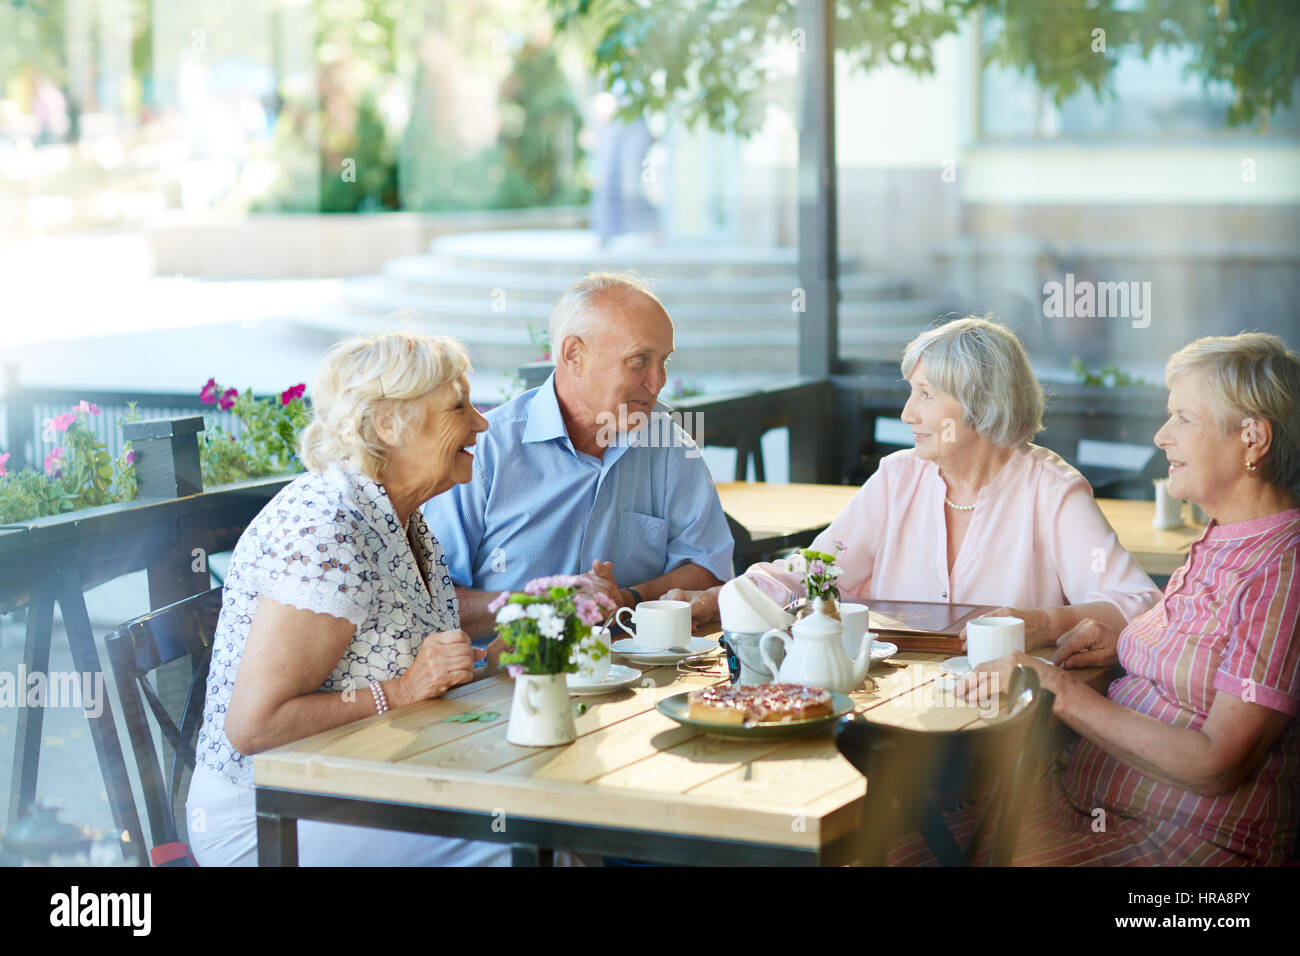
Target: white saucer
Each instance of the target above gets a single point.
(882, 651)
(956, 666)
(617, 678)
(639, 653)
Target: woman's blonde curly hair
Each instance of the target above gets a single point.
(362, 374)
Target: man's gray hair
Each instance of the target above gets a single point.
(982, 365)
(577, 310)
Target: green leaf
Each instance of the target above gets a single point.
(106, 472)
(486, 716)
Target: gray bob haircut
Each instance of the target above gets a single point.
(577, 310)
(1251, 375)
(984, 367)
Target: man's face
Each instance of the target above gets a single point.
(626, 363)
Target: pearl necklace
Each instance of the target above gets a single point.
(956, 507)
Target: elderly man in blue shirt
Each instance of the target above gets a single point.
(586, 474)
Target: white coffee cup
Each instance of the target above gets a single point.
(658, 624)
(590, 668)
(856, 618)
(988, 638)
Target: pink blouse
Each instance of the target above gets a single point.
(1036, 539)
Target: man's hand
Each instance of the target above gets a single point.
(600, 580)
(704, 604)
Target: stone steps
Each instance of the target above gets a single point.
(731, 305)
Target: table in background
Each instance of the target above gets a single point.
(791, 516)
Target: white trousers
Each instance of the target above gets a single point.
(222, 822)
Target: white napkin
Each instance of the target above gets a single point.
(745, 609)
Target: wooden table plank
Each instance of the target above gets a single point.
(793, 778)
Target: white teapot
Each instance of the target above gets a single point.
(815, 655)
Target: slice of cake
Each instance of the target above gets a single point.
(759, 704)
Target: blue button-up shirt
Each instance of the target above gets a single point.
(538, 506)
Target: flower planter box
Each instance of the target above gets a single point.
(167, 456)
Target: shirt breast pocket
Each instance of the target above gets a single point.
(642, 546)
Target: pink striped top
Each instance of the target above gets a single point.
(1229, 622)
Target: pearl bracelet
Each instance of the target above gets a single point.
(377, 692)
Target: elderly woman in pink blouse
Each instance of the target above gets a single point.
(1193, 757)
(975, 514)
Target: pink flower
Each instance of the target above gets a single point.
(499, 601)
(588, 610)
(542, 585)
(4, 458)
(227, 400)
(53, 461)
(514, 670)
(817, 567)
(289, 394)
(90, 408)
(61, 422)
(839, 545)
(131, 456)
(209, 394)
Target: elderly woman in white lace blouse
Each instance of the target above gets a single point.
(337, 603)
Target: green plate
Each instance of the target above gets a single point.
(678, 708)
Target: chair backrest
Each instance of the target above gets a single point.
(914, 775)
(743, 555)
(137, 649)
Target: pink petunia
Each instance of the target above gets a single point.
(499, 601)
(227, 400)
(90, 408)
(208, 396)
(61, 422)
(3, 458)
(289, 394)
(54, 462)
(131, 456)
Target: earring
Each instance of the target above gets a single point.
(1250, 468)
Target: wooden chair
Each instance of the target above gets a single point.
(137, 649)
(913, 775)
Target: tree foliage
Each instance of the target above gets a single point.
(711, 58)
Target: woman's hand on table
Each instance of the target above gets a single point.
(445, 660)
(704, 604)
(994, 677)
(1089, 643)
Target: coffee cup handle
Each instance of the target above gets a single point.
(618, 619)
(762, 649)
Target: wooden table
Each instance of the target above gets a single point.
(634, 784)
(791, 516)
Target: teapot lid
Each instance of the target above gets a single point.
(818, 623)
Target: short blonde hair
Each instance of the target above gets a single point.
(982, 365)
(357, 377)
(1251, 375)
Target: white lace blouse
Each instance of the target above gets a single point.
(329, 542)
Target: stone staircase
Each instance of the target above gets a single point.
(731, 305)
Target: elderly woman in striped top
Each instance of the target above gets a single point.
(1194, 755)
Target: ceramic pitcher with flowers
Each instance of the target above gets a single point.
(540, 628)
